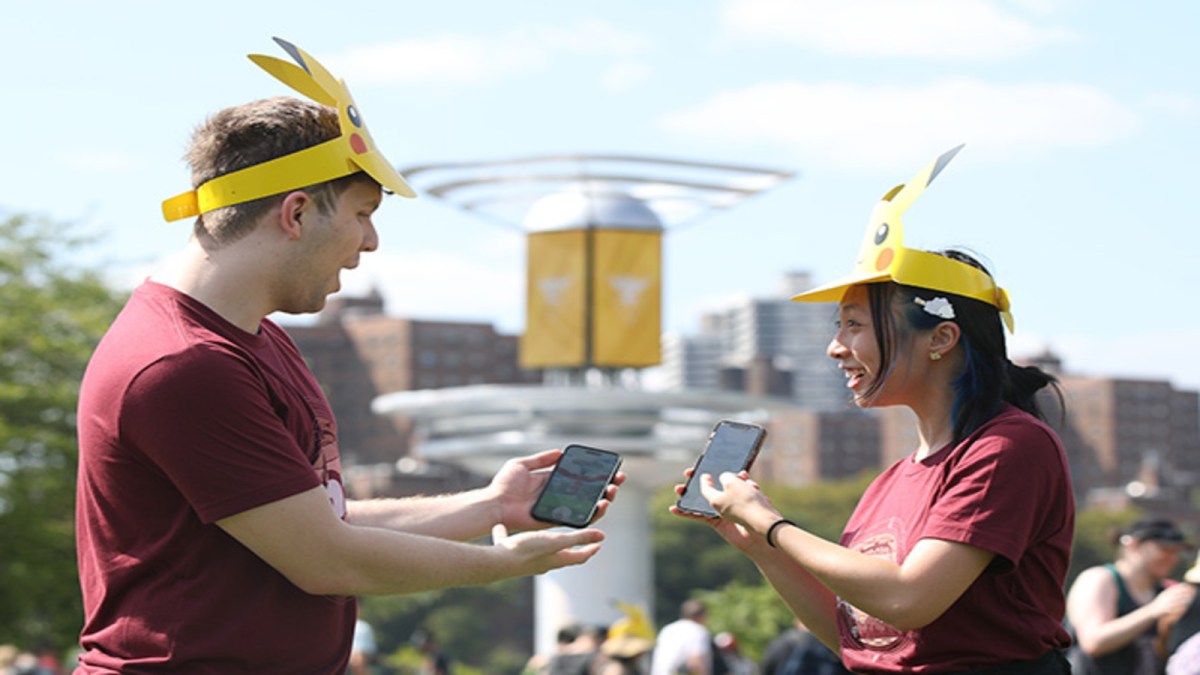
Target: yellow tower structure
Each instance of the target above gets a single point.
(594, 282)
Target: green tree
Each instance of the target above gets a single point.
(752, 612)
(489, 628)
(1095, 537)
(52, 318)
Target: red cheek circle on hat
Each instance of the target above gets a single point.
(884, 259)
(358, 144)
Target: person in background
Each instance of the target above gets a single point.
(576, 658)
(796, 651)
(1115, 609)
(627, 645)
(538, 663)
(434, 661)
(726, 649)
(684, 645)
(363, 650)
(955, 558)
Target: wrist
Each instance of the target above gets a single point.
(771, 534)
(491, 501)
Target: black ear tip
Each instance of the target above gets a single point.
(293, 52)
(944, 160)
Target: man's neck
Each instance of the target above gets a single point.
(227, 281)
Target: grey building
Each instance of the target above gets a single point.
(757, 333)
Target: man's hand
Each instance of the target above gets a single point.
(538, 552)
(517, 484)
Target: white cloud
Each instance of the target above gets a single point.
(621, 77)
(930, 29)
(1048, 6)
(1172, 103)
(452, 58)
(587, 36)
(446, 58)
(891, 127)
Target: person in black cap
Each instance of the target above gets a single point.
(1116, 608)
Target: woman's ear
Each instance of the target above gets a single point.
(944, 337)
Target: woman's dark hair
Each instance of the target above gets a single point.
(988, 378)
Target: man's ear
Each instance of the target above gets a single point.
(944, 337)
(292, 209)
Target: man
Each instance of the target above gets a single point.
(685, 645)
(213, 530)
(577, 657)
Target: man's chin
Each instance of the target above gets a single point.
(312, 307)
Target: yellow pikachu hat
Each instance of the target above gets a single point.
(631, 635)
(352, 151)
(883, 257)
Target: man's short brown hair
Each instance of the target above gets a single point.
(249, 134)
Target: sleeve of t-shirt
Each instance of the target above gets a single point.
(999, 490)
(205, 419)
(699, 643)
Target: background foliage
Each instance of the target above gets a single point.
(52, 318)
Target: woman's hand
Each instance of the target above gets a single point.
(729, 527)
(1173, 601)
(740, 500)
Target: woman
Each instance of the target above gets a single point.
(956, 556)
(1116, 609)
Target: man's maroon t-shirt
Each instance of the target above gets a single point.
(185, 419)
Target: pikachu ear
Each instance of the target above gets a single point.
(324, 79)
(900, 201)
(295, 77)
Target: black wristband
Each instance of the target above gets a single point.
(773, 527)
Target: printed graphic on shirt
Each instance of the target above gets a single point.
(864, 631)
(329, 460)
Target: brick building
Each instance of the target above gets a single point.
(358, 353)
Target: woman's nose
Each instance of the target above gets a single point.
(835, 349)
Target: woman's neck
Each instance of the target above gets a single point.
(935, 424)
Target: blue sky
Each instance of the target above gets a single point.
(1081, 122)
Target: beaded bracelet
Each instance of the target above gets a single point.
(771, 530)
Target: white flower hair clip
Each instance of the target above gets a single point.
(939, 307)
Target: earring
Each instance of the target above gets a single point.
(935, 356)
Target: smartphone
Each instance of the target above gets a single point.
(732, 446)
(576, 485)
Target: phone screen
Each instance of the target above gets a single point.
(732, 446)
(576, 485)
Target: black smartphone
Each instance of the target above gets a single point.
(732, 446)
(576, 486)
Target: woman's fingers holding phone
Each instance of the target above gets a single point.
(736, 493)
